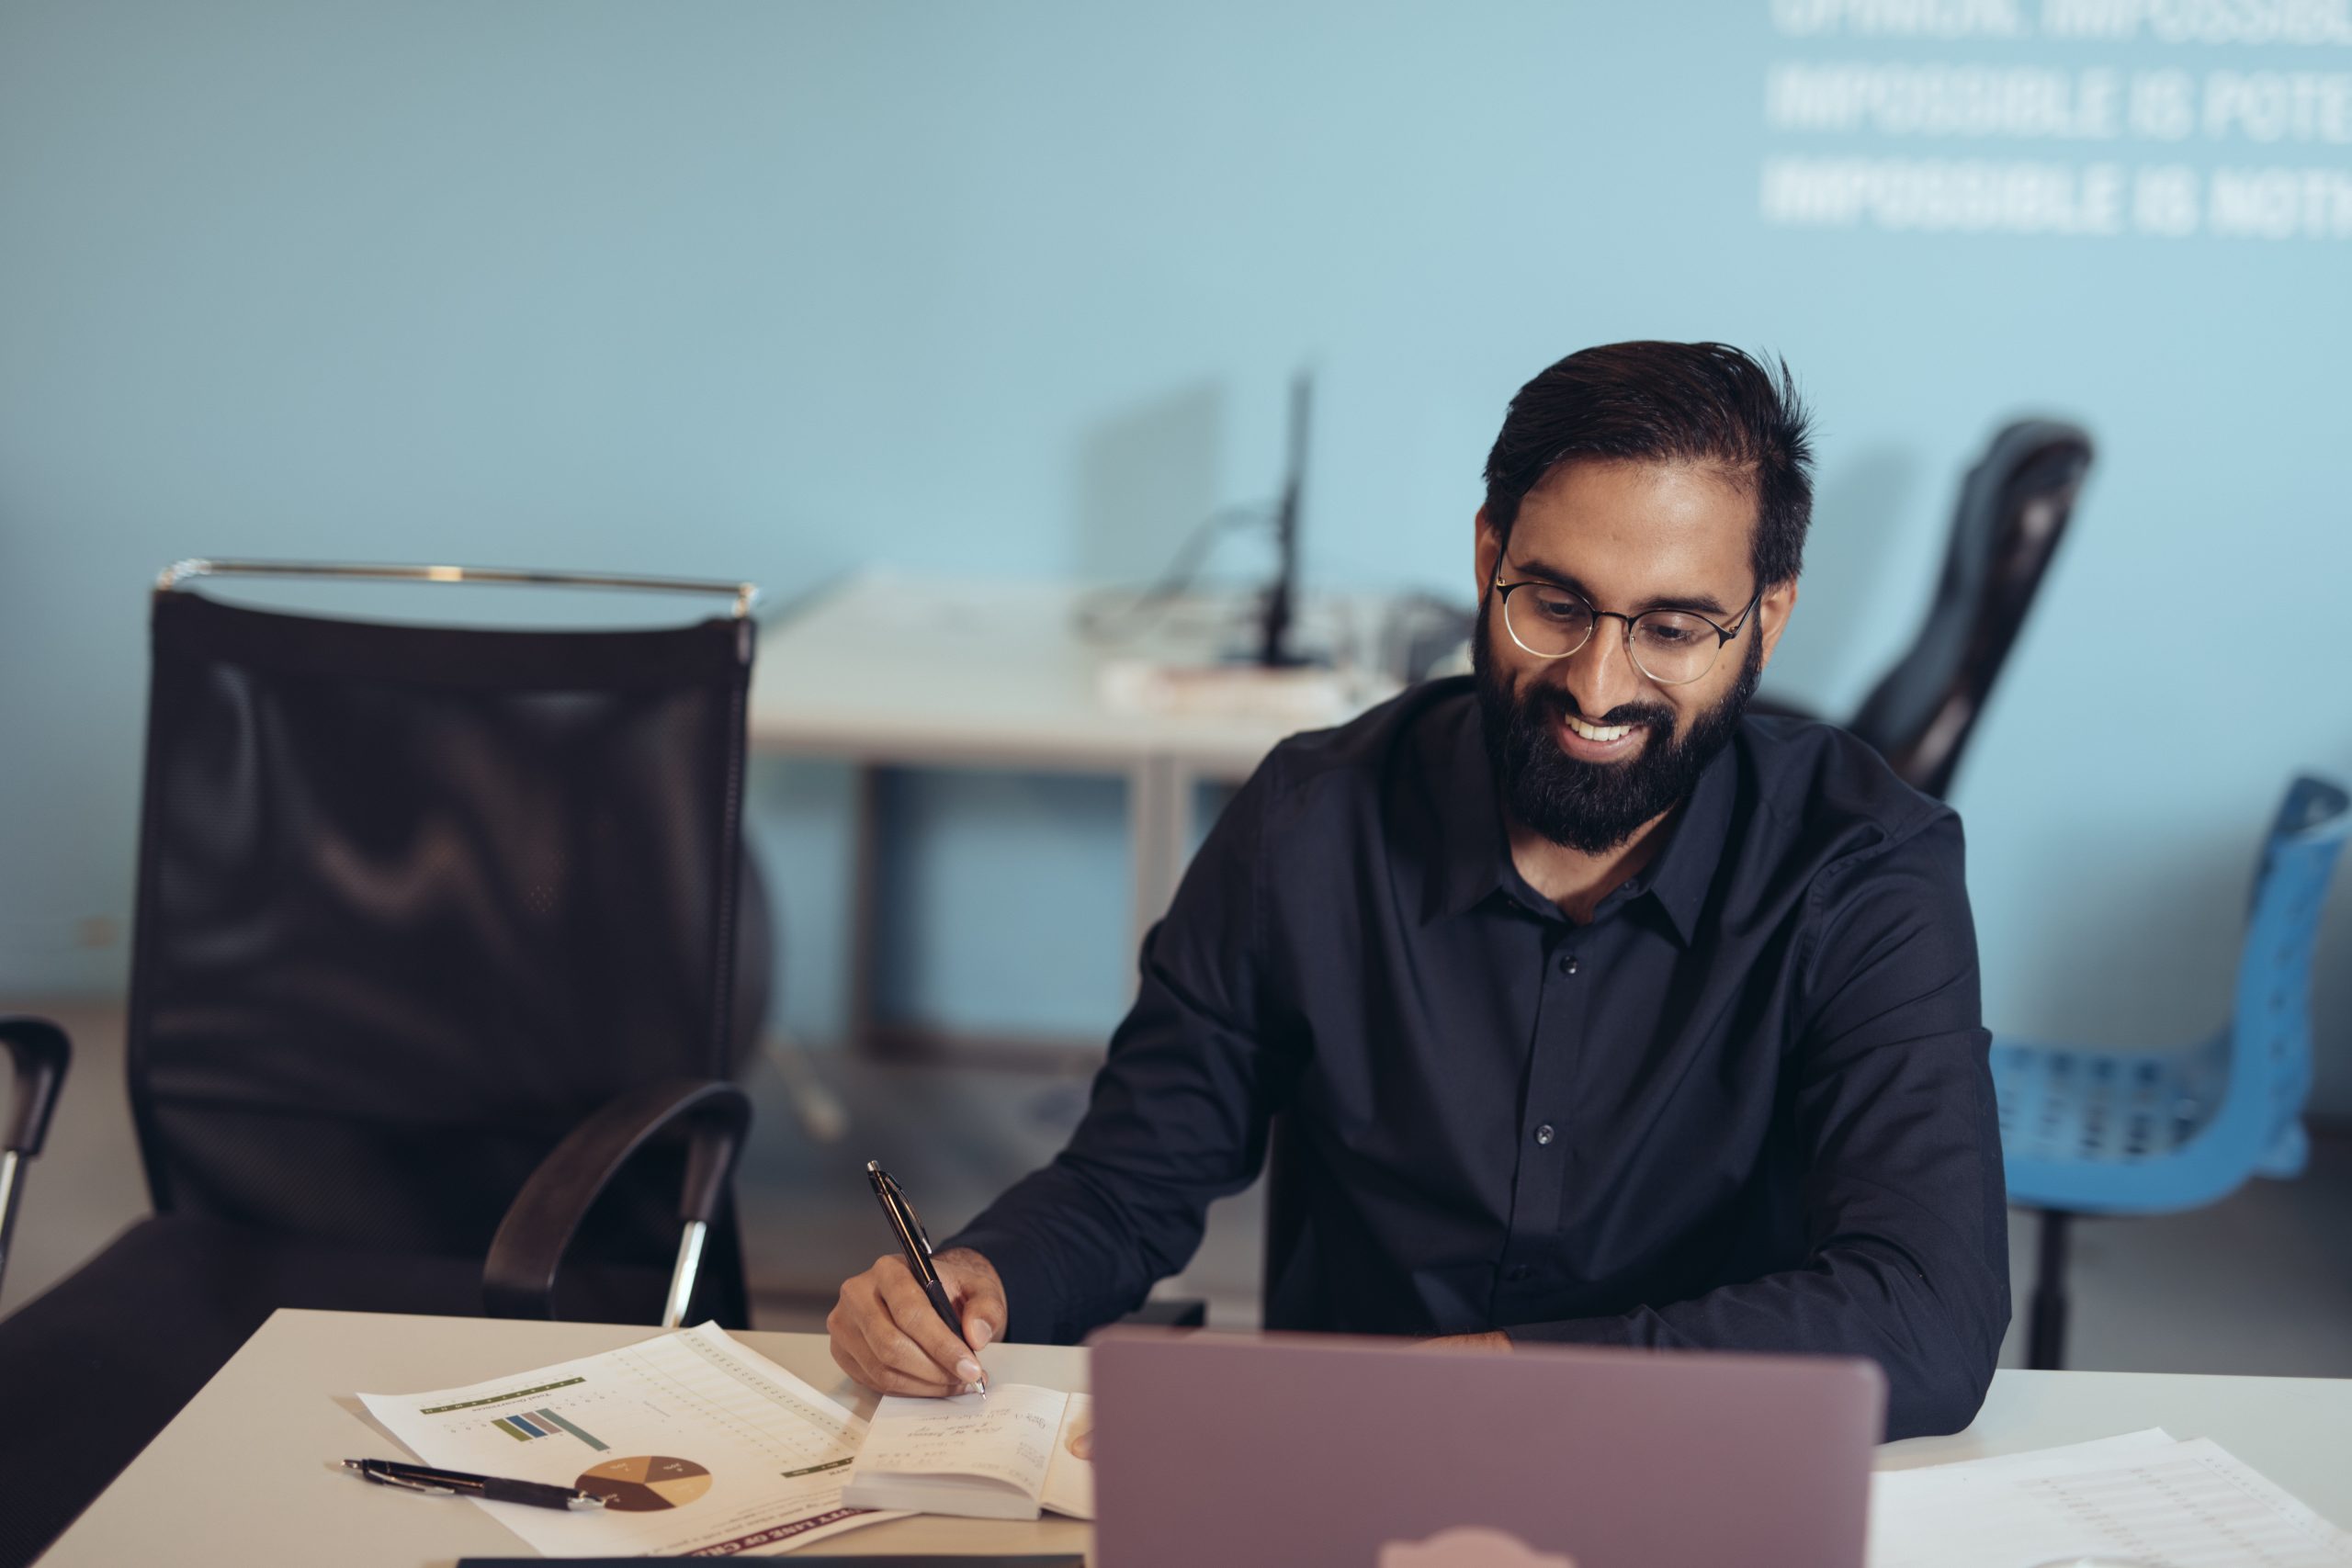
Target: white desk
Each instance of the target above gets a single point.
(895, 671)
(239, 1479)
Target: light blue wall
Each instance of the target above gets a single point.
(774, 289)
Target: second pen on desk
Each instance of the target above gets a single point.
(916, 1242)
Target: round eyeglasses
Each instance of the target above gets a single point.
(1672, 648)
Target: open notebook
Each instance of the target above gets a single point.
(1003, 1455)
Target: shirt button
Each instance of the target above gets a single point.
(1519, 1272)
(1568, 965)
(1543, 1134)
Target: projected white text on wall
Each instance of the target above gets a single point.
(2218, 118)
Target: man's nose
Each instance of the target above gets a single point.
(1600, 676)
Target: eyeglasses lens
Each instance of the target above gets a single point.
(1672, 648)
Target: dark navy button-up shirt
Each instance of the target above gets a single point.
(1748, 1106)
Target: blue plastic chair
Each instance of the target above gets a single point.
(2129, 1132)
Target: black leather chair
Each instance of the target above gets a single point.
(433, 1006)
(2013, 509)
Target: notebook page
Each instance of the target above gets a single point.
(1070, 1480)
(1005, 1435)
(2186, 1506)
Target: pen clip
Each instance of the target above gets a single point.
(911, 1216)
(393, 1478)
(922, 1234)
(894, 1198)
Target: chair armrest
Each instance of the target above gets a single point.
(518, 1278)
(41, 1053)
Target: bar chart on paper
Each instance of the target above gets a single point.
(695, 1443)
(543, 1423)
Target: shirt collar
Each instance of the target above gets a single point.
(1473, 853)
(1682, 870)
(1474, 849)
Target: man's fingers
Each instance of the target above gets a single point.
(889, 1311)
(973, 1286)
(847, 1339)
(885, 1335)
(851, 1364)
(899, 1365)
(868, 1348)
(884, 1380)
(918, 1321)
(890, 1353)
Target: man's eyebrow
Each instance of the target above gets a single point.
(1700, 604)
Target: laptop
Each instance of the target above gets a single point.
(1375, 1453)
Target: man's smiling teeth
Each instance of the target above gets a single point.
(1599, 732)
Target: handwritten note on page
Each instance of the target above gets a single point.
(998, 1456)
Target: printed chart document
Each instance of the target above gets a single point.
(2145, 1496)
(698, 1445)
(1002, 1455)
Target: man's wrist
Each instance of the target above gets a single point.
(968, 1258)
(1020, 1277)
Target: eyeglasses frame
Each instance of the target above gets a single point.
(1503, 592)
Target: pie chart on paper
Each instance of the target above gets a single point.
(645, 1483)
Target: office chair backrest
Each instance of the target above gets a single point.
(2271, 1028)
(2013, 509)
(414, 900)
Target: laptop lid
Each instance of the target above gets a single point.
(1373, 1453)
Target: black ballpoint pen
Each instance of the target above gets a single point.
(916, 1242)
(454, 1483)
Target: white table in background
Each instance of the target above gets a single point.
(239, 1479)
(893, 671)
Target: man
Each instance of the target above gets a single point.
(1583, 1009)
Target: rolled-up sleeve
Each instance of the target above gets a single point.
(1890, 1090)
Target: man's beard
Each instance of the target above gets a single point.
(1596, 807)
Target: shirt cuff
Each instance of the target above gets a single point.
(1573, 1331)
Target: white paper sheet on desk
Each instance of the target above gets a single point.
(704, 1445)
(2143, 1496)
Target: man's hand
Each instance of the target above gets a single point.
(1495, 1341)
(888, 1338)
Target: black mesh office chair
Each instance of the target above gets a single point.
(436, 931)
(2013, 509)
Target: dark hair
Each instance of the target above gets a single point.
(1687, 403)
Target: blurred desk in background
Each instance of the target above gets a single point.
(893, 671)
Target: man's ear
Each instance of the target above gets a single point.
(1772, 612)
(1487, 554)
